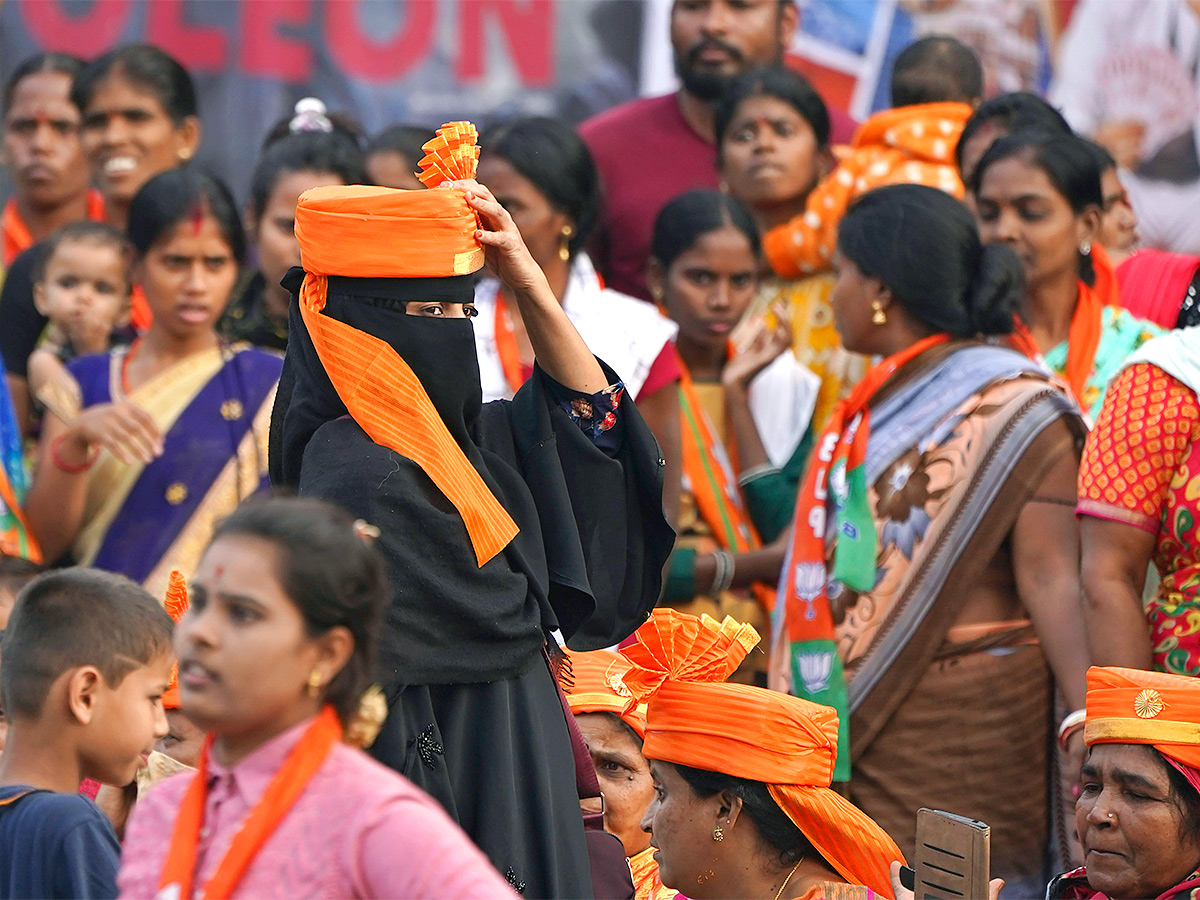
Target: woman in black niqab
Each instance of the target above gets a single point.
(475, 718)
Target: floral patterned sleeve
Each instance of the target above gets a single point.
(1141, 436)
(596, 414)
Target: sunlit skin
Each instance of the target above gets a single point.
(740, 865)
(84, 292)
(706, 291)
(240, 629)
(541, 224)
(1017, 205)
(624, 777)
(389, 168)
(1132, 833)
(770, 159)
(274, 234)
(854, 298)
(42, 153)
(680, 824)
(128, 138)
(133, 720)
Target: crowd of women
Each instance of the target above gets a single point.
(890, 512)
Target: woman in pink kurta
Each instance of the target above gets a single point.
(275, 650)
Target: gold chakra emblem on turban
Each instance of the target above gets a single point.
(616, 683)
(1147, 704)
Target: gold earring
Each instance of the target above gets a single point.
(878, 317)
(184, 154)
(564, 245)
(657, 293)
(718, 833)
(314, 683)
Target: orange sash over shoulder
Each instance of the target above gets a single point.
(373, 232)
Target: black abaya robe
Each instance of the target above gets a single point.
(474, 716)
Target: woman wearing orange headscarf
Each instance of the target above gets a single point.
(742, 774)
(1139, 813)
(501, 522)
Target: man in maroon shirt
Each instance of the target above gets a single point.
(651, 150)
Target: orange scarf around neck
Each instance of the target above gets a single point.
(285, 788)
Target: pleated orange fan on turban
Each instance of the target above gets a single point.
(1132, 706)
(597, 687)
(374, 232)
(679, 664)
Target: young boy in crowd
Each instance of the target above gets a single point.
(83, 285)
(15, 573)
(84, 662)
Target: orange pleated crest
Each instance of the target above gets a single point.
(1132, 706)
(385, 397)
(681, 647)
(452, 155)
(596, 686)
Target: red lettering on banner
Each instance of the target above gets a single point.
(86, 35)
(200, 47)
(360, 55)
(265, 51)
(528, 29)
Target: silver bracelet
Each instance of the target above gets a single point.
(723, 571)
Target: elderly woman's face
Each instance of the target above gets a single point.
(624, 777)
(1130, 823)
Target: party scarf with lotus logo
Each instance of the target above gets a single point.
(839, 467)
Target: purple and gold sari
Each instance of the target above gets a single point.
(213, 410)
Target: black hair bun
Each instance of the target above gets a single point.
(996, 291)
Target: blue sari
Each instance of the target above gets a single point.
(213, 410)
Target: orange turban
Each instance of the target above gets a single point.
(374, 232)
(1133, 706)
(597, 687)
(693, 719)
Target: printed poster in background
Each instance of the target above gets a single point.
(847, 46)
(1129, 76)
(422, 62)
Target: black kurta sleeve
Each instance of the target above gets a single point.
(601, 516)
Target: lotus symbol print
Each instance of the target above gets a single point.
(809, 583)
(815, 669)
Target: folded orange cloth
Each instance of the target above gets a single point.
(597, 687)
(1132, 706)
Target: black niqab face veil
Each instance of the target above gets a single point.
(440, 351)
